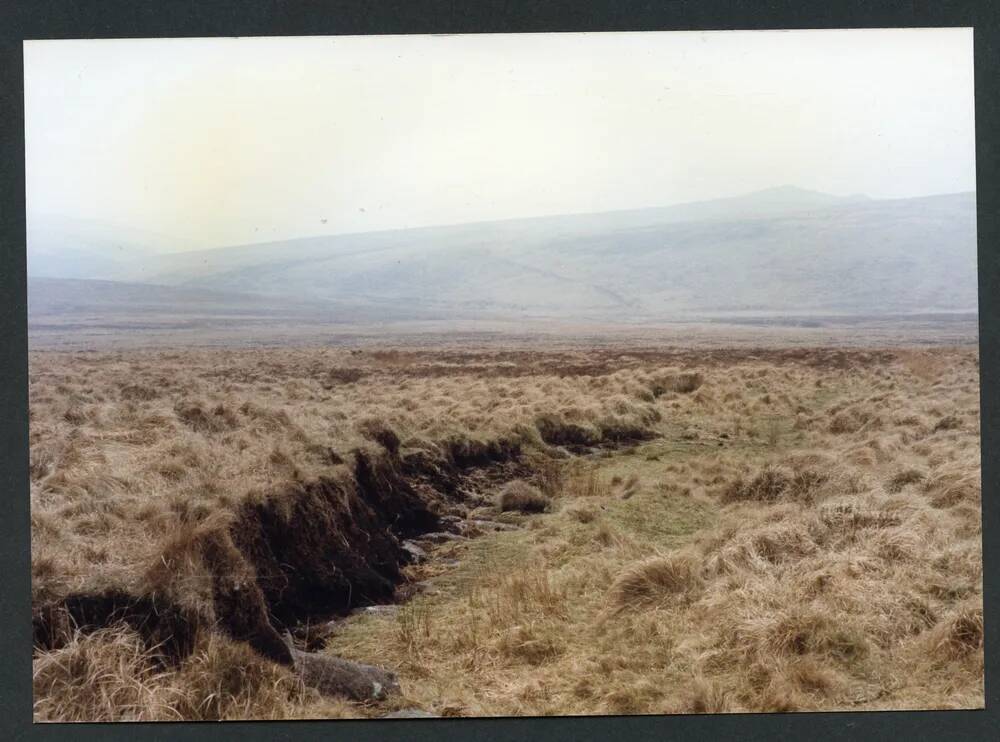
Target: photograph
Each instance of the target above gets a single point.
(503, 375)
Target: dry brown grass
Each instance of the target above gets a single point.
(110, 676)
(833, 577)
(521, 496)
(655, 580)
(803, 533)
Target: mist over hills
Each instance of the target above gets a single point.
(783, 251)
(66, 247)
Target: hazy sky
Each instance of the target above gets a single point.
(226, 141)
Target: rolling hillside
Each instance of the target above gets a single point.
(778, 252)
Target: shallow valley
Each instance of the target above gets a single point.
(597, 528)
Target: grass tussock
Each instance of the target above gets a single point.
(110, 675)
(902, 479)
(683, 383)
(105, 676)
(774, 483)
(654, 580)
(523, 497)
(960, 634)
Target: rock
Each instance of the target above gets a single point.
(416, 553)
(470, 530)
(440, 537)
(452, 523)
(492, 525)
(411, 714)
(406, 590)
(333, 676)
(380, 610)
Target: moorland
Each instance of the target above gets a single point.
(579, 528)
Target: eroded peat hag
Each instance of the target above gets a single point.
(787, 529)
(287, 560)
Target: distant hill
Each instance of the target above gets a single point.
(134, 304)
(65, 247)
(783, 251)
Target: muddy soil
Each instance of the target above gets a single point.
(316, 551)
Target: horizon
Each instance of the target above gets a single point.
(846, 198)
(225, 142)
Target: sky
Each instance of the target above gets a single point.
(213, 142)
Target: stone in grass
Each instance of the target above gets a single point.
(440, 537)
(333, 676)
(417, 554)
(380, 610)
